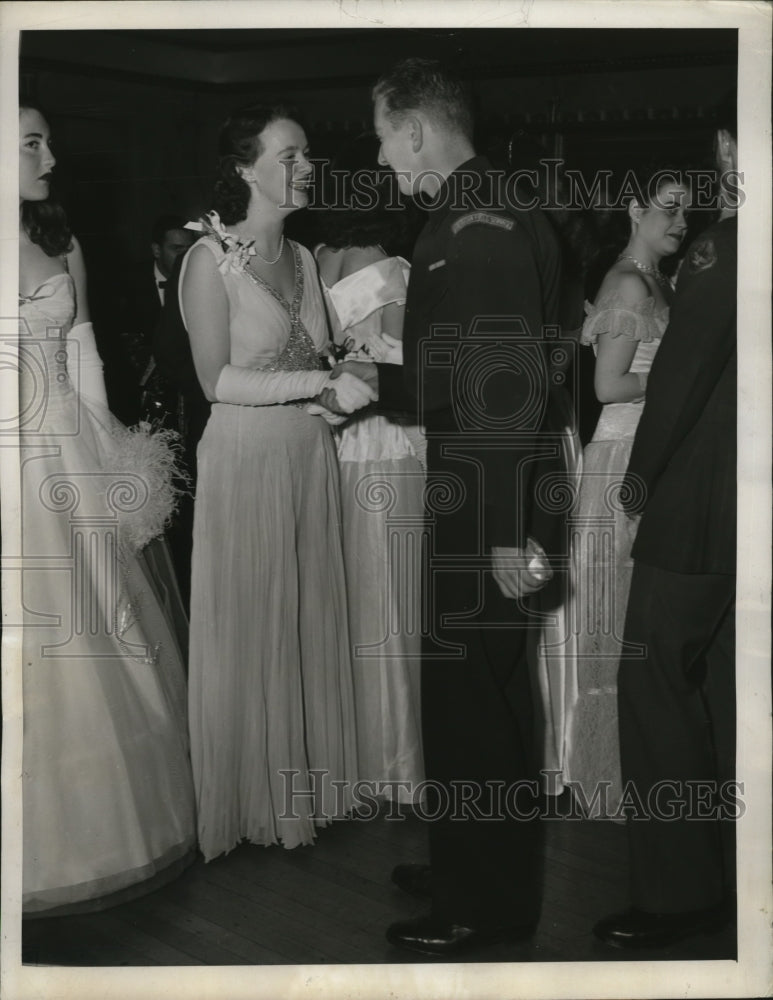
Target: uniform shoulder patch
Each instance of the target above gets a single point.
(484, 218)
(702, 255)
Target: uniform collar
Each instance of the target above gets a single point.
(455, 194)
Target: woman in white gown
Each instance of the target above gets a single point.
(108, 798)
(624, 325)
(271, 701)
(382, 475)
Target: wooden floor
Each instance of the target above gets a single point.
(332, 902)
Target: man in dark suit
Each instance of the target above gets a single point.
(139, 311)
(677, 700)
(484, 282)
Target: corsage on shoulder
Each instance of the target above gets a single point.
(236, 251)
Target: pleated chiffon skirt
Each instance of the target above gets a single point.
(383, 529)
(602, 581)
(271, 703)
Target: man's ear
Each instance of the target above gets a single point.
(155, 249)
(726, 148)
(415, 132)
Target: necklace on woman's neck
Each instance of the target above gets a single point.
(265, 259)
(656, 273)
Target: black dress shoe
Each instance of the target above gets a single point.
(639, 929)
(434, 937)
(416, 880)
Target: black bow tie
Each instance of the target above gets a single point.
(162, 284)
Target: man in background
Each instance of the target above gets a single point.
(139, 310)
(677, 701)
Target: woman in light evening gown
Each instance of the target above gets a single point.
(107, 790)
(382, 475)
(625, 325)
(271, 697)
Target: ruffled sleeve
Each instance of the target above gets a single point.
(614, 316)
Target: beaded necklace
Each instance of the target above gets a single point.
(655, 272)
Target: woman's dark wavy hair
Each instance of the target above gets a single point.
(363, 205)
(643, 184)
(240, 146)
(45, 222)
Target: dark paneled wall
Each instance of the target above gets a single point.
(136, 114)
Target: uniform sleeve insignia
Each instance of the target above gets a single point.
(702, 256)
(486, 218)
(436, 265)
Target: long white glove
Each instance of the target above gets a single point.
(250, 387)
(85, 365)
(351, 392)
(318, 410)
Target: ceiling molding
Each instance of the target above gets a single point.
(342, 82)
(233, 60)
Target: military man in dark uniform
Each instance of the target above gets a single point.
(484, 282)
(677, 702)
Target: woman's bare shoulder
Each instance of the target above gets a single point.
(624, 282)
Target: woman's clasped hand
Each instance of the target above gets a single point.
(347, 394)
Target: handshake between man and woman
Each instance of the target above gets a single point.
(353, 384)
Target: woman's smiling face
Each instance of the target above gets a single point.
(282, 172)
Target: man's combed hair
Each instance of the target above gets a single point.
(425, 84)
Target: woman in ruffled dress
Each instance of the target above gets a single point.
(364, 280)
(624, 325)
(271, 700)
(107, 789)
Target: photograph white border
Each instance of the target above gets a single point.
(752, 974)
